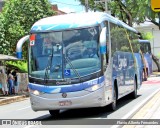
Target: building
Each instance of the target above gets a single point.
(154, 30)
(55, 8)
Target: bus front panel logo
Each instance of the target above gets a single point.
(64, 95)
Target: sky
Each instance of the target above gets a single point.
(68, 6)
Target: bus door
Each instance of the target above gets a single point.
(121, 72)
(139, 64)
(129, 71)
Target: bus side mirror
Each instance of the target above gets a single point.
(102, 41)
(19, 46)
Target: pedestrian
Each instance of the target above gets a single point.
(16, 82)
(3, 77)
(10, 82)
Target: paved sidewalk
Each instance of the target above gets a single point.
(151, 110)
(11, 98)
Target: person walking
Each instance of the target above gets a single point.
(10, 82)
(3, 77)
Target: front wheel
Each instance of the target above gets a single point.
(54, 113)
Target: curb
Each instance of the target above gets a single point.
(155, 74)
(13, 99)
(137, 108)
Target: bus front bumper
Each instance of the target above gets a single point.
(57, 102)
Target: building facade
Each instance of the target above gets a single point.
(155, 41)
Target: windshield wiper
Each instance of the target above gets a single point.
(75, 71)
(49, 63)
(46, 76)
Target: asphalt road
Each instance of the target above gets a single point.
(22, 110)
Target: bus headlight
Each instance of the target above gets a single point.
(94, 87)
(35, 92)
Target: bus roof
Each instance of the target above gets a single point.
(75, 20)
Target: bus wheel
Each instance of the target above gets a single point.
(54, 113)
(113, 105)
(134, 93)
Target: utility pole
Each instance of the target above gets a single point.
(106, 6)
(86, 5)
(105, 3)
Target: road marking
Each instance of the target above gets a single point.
(136, 109)
(32, 126)
(23, 108)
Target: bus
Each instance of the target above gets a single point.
(145, 48)
(80, 60)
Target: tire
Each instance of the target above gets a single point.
(54, 113)
(134, 93)
(113, 105)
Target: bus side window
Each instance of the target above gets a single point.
(107, 43)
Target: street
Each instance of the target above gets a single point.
(22, 110)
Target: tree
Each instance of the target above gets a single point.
(19, 16)
(3, 43)
(129, 11)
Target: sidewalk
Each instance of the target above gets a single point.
(151, 110)
(11, 98)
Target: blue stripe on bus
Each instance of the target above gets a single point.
(49, 27)
(102, 49)
(57, 27)
(66, 88)
(19, 55)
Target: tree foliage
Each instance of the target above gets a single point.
(147, 35)
(19, 16)
(3, 42)
(129, 11)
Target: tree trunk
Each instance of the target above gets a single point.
(156, 60)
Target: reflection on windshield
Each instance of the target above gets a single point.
(67, 54)
(145, 47)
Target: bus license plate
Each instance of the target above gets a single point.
(65, 103)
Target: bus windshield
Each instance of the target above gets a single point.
(145, 47)
(64, 54)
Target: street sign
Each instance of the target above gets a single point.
(155, 5)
